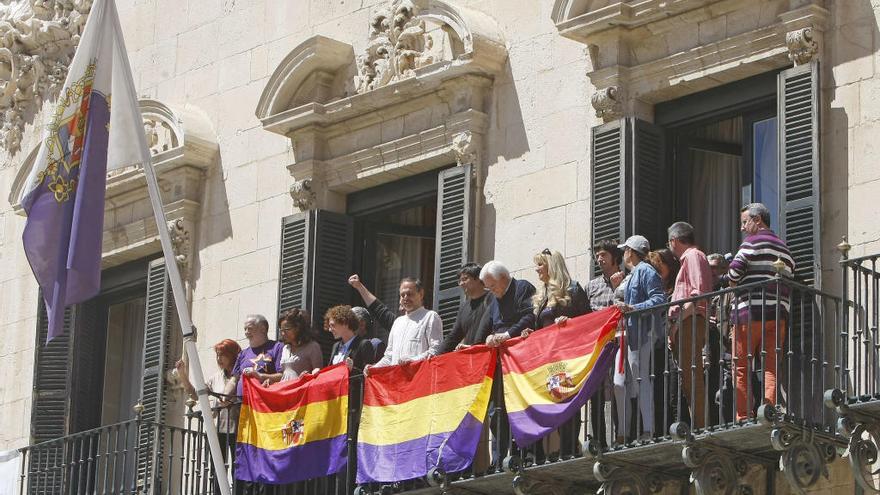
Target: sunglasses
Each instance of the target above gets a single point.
(546, 251)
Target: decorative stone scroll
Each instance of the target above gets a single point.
(399, 44)
(617, 479)
(37, 42)
(715, 471)
(801, 46)
(464, 148)
(180, 243)
(606, 103)
(302, 194)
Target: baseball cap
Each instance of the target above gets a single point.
(637, 243)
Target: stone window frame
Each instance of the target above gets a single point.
(630, 73)
(323, 173)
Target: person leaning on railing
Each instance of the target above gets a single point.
(643, 290)
(687, 332)
(224, 413)
(759, 318)
(557, 299)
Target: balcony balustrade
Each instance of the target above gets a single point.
(705, 410)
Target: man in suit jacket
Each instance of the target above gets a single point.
(510, 311)
(351, 348)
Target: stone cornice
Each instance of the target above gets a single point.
(654, 51)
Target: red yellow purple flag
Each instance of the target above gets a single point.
(424, 415)
(294, 430)
(552, 373)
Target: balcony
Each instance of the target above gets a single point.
(822, 349)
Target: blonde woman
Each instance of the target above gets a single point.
(557, 299)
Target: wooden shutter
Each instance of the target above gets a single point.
(651, 192)
(88, 367)
(159, 322)
(608, 182)
(453, 244)
(51, 394)
(798, 101)
(316, 260)
(629, 182)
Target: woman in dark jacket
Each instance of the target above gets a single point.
(558, 297)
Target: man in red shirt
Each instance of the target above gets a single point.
(688, 328)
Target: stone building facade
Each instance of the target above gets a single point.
(298, 141)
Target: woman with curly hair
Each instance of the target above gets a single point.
(352, 349)
(301, 354)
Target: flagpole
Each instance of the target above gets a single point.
(177, 288)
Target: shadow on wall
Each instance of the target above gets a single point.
(850, 45)
(508, 139)
(215, 225)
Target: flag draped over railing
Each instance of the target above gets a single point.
(64, 193)
(550, 375)
(294, 430)
(424, 415)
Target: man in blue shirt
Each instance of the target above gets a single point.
(644, 289)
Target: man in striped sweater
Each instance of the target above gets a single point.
(761, 312)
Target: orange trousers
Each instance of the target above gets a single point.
(753, 339)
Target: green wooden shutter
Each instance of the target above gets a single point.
(316, 260)
(629, 182)
(50, 412)
(798, 101)
(159, 322)
(453, 242)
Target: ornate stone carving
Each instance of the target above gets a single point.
(862, 432)
(398, 45)
(606, 103)
(160, 135)
(181, 243)
(801, 45)
(715, 471)
(302, 194)
(464, 148)
(619, 480)
(37, 41)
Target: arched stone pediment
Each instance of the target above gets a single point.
(306, 74)
(359, 118)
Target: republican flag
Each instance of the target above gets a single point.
(424, 415)
(295, 430)
(64, 193)
(551, 375)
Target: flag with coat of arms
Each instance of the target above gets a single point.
(91, 130)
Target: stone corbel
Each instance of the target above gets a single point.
(181, 243)
(465, 149)
(861, 430)
(607, 103)
(619, 479)
(303, 195)
(715, 470)
(805, 453)
(801, 45)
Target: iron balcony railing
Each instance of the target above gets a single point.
(711, 383)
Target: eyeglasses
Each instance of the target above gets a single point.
(546, 251)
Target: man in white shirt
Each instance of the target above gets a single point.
(416, 335)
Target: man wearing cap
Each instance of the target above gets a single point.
(644, 290)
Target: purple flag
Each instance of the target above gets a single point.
(64, 194)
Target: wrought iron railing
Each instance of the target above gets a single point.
(688, 396)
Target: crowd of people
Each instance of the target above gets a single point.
(692, 336)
